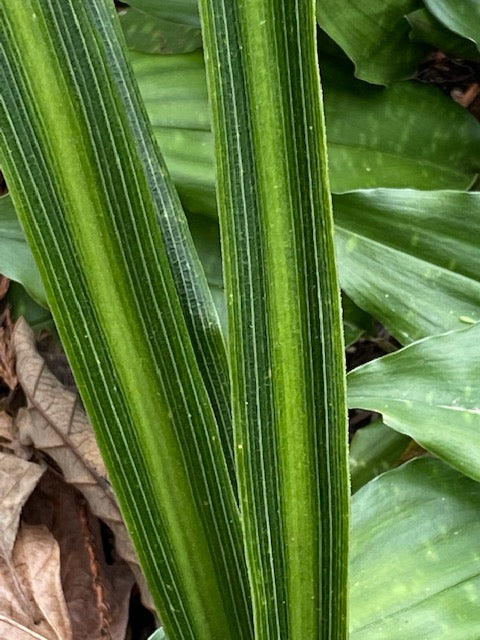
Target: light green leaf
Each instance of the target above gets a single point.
(461, 17)
(373, 450)
(174, 91)
(16, 259)
(415, 563)
(426, 28)
(429, 391)
(410, 258)
(374, 35)
(285, 333)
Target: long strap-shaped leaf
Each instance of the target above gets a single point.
(88, 187)
(285, 331)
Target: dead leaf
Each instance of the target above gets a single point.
(33, 606)
(18, 478)
(56, 424)
(96, 593)
(7, 354)
(6, 426)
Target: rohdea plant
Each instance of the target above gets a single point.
(227, 446)
(230, 466)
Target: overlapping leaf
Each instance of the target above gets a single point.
(426, 28)
(429, 390)
(367, 145)
(411, 258)
(374, 35)
(460, 17)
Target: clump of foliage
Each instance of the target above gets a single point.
(213, 369)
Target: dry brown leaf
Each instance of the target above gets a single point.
(32, 606)
(97, 593)
(7, 354)
(18, 478)
(6, 426)
(55, 423)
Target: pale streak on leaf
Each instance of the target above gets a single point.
(56, 424)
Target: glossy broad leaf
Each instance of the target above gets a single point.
(285, 334)
(374, 35)
(415, 564)
(426, 28)
(410, 258)
(16, 259)
(460, 17)
(408, 135)
(437, 145)
(429, 391)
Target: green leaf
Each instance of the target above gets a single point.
(428, 391)
(410, 258)
(373, 450)
(366, 146)
(374, 35)
(130, 302)
(460, 17)
(355, 321)
(21, 304)
(174, 91)
(426, 28)
(16, 259)
(415, 565)
(175, 11)
(152, 28)
(408, 135)
(284, 313)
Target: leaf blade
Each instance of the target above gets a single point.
(269, 123)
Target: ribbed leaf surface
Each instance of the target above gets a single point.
(129, 300)
(285, 329)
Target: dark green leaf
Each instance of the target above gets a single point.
(408, 135)
(373, 450)
(374, 35)
(150, 32)
(426, 28)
